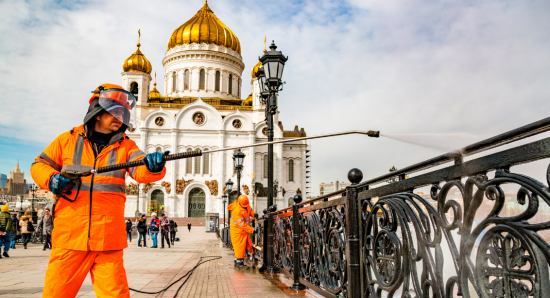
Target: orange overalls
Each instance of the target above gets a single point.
(240, 228)
(89, 233)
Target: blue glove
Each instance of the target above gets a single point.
(256, 215)
(155, 162)
(60, 185)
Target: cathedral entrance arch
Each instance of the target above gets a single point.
(197, 202)
(156, 203)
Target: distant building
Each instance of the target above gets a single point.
(326, 188)
(16, 185)
(3, 179)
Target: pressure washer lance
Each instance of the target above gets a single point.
(75, 176)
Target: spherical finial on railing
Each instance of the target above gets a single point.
(355, 176)
(297, 199)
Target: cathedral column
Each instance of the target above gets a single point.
(221, 162)
(172, 197)
(144, 132)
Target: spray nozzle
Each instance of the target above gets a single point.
(374, 134)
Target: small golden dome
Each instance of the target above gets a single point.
(155, 93)
(248, 100)
(255, 68)
(204, 27)
(137, 62)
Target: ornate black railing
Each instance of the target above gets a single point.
(482, 231)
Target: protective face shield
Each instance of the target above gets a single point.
(119, 103)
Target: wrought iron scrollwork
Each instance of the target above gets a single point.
(323, 249)
(465, 245)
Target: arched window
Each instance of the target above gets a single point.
(197, 164)
(205, 162)
(202, 79)
(217, 86)
(291, 170)
(189, 166)
(265, 166)
(174, 81)
(230, 86)
(134, 88)
(186, 79)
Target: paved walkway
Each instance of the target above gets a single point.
(150, 270)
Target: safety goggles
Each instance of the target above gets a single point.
(120, 104)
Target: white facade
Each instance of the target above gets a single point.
(163, 125)
(326, 188)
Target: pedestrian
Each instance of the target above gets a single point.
(89, 220)
(129, 229)
(173, 230)
(46, 226)
(189, 226)
(142, 230)
(165, 230)
(6, 227)
(16, 233)
(154, 229)
(27, 228)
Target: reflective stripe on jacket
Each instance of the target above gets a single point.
(95, 221)
(240, 218)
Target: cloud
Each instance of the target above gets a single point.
(403, 67)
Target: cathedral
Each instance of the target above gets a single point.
(16, 185)
(201, 107)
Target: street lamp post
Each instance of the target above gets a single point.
(238, 159)
(137, 203)
(21, 206)
(269, 79)
(33, 189)
(224, 200)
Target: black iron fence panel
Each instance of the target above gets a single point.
(323, 249)
(462, 239)
(282, 243)
(257, 240)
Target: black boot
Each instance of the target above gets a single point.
(5, 254)
(25, 245)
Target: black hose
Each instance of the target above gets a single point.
(188, 275)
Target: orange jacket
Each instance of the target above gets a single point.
(95, 221)
(240, 218)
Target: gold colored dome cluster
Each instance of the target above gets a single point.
(137, 62)
(204, 27)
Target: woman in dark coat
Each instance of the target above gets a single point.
(142, 230)
(15, 233)
(129, 229)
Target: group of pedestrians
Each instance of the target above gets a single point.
(163, 225)
(13, 229)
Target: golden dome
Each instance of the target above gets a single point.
(255, 68)
(204, 27)
(137, 62)
(248, 100)
(155, 93)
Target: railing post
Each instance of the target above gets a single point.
(353, 249)
(296, 233)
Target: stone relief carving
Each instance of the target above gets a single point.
(237, 123)
(166, 186)
(213, 186)
(147, 187)
(224, 190)
(246, 190)
(132, 189)
(284, 192)
(181, 184)
(159, 121)
(298, 192)
(198, 118)
(264, 131)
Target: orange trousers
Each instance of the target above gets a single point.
(241, 242)
(68, 268)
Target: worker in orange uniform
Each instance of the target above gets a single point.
(241, 215)
(89, 230)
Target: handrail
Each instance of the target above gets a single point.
(457, 156)
(312, 200)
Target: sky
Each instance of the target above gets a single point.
(441, 73)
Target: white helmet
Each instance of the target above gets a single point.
(153, 214)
